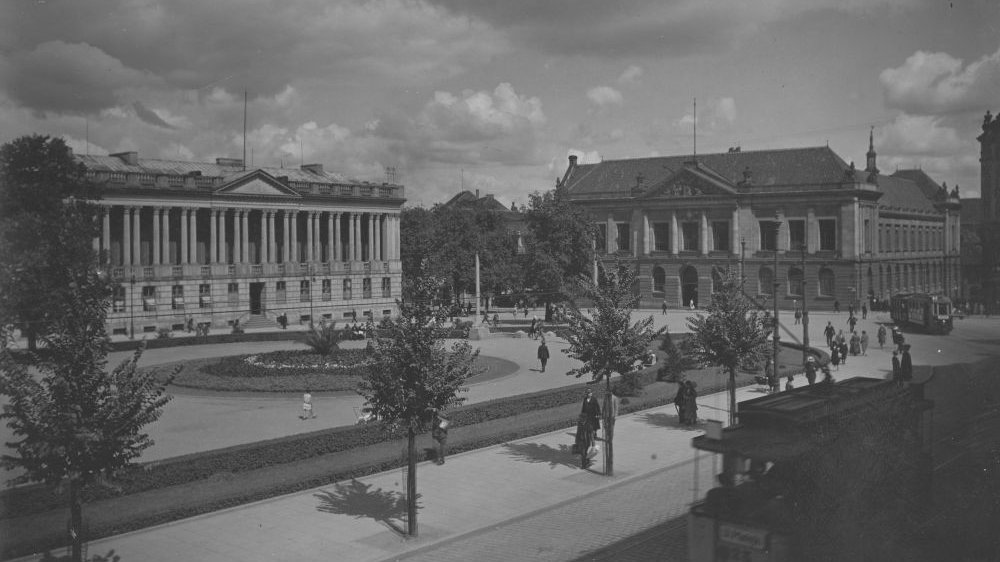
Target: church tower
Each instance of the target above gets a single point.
(989, 168)
(870, 166)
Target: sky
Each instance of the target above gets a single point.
(495, 95)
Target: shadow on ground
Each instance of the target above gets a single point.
(540, 453)
(358, 500)
(659, 419)
(109, 557)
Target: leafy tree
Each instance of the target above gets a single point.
(675, 362)
(416, 240)
(44, 221)
(74, 422)
(607, 342)
(732, 335)
(413, 374)
(559, 245)
(325, 339)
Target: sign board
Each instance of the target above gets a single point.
(743, 536)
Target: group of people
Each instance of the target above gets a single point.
(841, 346)
(685, 401)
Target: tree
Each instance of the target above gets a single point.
(413, 374)
(44, 219)
(559, 245)
(416, 240)
(607, 342)
(76, 423)
(732, 335)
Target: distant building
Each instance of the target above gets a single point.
(512, 218)
(984, 265)
(849, 234)
(217, 243)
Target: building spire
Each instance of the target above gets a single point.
(870, 166)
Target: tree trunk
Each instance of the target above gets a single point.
(732, 397)
(411, 483)
(609, 431)
(32, 338)
(75, 523)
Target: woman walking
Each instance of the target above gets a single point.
(835, 357)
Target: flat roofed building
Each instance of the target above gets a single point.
(217, 243)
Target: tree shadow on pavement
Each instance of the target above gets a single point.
(660, 419)
(540, 453)
(358, 500)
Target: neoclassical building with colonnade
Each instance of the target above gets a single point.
(219, 243)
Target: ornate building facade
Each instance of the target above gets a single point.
(216, 244)
(800, 220)
(982, 263)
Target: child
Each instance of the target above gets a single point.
(307, 407)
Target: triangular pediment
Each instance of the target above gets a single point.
(690, 181)
(256, 182)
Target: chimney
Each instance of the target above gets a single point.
(477, 194)
(313, 168)
(572, 160)
(130, 158)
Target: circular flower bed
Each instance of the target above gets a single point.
(279, 371)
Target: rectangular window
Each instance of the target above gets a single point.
(386, 287)
(305, 291)
(149, 298)
(366, 288)
(661, 235)
(624, 236)
(896, 242)
(689, 231)
(204, 296)
(720, 236)
(177, 297)
(768, 236)
(828, 235)
(868, 235)
(233, 293)
(280, 292)
(796, 234)
(118, 301)
(602, 238)
(327, 290)
(347, 289)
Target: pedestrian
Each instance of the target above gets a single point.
(439, 432)
(773, 382)
(680, 402)
(811, 369)
(895, 366)
(827, 376)
(543, 354)
(841, 339)
(836, 307)
(852, 321)
(307, 405)
(496, 320)
(881, 337)
(189, 324)
(591, 413)
(798, 316)
(531, 329)
(855, 344)
(864, 311)
(828, 332)
(850, 310)
(663, 307)
(864, 342)
(843, 353)
(690, 403)
(788, 383)
(906, 365)
(835, 357)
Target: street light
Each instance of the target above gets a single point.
(312, 280)
(805, 309)
(775, 337)
(131, 304)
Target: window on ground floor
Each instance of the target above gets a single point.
(659, 280)
(118, 300)
(795, 282)
(327, 290)
(386, 287)
(765, 281)
(177, 297)
(624, 236)
(796, 234)
(768, 236)
(305, 291)
(204, 295)
(233, 293)
(366, 288)
(347, 289)
(826, 283)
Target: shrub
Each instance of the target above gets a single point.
(164, 333)
(324, 340)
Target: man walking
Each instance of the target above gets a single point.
(811, 369)
(798, 316)
(852, 321)
(864, 311)
(881, 337)
(895, 366)
(864, 342)
(543, 354)
(663, 307)
(906, 365)
(828, 332)
(440, 435)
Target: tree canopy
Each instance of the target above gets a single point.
(559, 244)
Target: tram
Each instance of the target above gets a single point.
(930, 313)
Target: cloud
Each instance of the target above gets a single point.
(631, 75)
(56, 76)
(725, 110)
(721, 113)
(936, 83)
(584, 157)
(150, 116)
(603, 96)
(916, 135)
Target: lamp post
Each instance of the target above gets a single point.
(775, 337)
(743, 252)
(805, 310)
(131, 313)
(312, 281)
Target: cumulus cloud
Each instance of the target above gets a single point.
(721, 112)
(938, 83)
(725, 110)
(920, 135)
(603, 96)
(630, 75)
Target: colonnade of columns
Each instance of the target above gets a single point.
(231, 238)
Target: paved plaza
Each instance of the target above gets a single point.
(523, 500)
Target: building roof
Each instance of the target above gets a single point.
(902, 194)
(790, 166)
(468, 199)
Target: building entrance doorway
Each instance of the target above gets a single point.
(256, 298)
(689, 287)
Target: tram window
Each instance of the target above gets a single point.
(943, 309)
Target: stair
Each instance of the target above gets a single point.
(259, 321)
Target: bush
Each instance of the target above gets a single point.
(324, 340)
(164, 333)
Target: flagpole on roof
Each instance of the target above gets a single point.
(244, 129)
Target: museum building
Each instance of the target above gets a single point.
(801, 220)
(216, 244)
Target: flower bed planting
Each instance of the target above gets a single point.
(279, 371)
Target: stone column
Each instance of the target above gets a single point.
(272, 247)
(213, 236)
(245, 233)
(193, 236)
(223, 257)
(673, 233)
(337, 251)
(106, 230)
(329, 238)
(185, 213)
(127, 236)
(165, 242)
(157, 212)
(263, 237)
(317, 237)
(295, 236)
(377, 255)
(371, 237)
(812, 231)
(237, 236)
(309, 236)
(286, 239)
(704, 234)
(395, 236)
(612, 237)
(137, 236)
(350, 236)
(735, 248)
(645, 233)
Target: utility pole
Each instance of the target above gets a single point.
(775, 336)
(805, 310)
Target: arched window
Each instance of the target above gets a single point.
(794, 282)
(765, 281)
(659, 281)
(826, 283)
